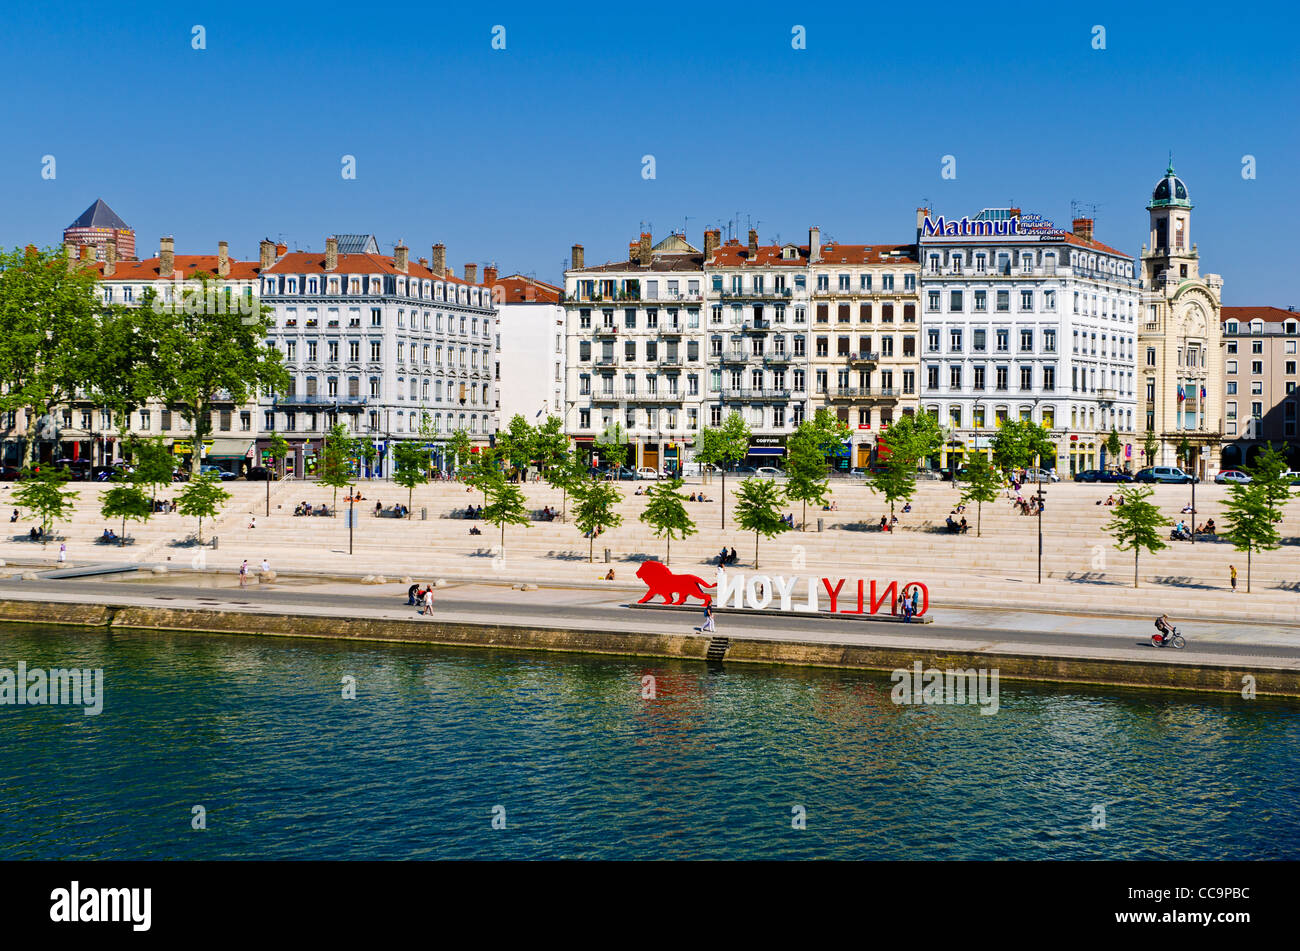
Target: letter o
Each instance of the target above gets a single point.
(751, 591)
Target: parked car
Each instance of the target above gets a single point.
(770, 472)
(1167, 474)
(1089, 475)
(1231, 475)
(261, 474)
(78, 470)
(645, 472)
(621, 473)
(1117, 475)
(1291, 476)
(9, 473)
(1041, 475)
(225, 475)
(745, 470)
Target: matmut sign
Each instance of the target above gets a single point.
(798, 595)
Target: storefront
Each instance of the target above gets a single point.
(766, 451)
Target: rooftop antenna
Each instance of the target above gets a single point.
(686, 223)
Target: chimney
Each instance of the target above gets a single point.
(576, 258)
(424, 262)
(921, 215)
(814, 245)
(490, 274)
(223, 259)
(712, 238)
(87, 253)
(471, 273)
(401, 257)
(166, 257)
(331, 253)
(1083, 228)
(110, 259)
(643, 254)
(266, 253)
(439, 260)
(753, 243)
(281, 250)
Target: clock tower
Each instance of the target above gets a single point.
(1180, 343)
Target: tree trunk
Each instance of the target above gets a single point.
(1248, 548)
(200, 529)
(409, 492)
(503, 541)
(669, 559)
(121, 541)
(803, 524)
(268, 494)
(756, 551)
(979, 516)
(591, 548)
(1135, 567)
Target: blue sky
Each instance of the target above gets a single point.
(512, 156)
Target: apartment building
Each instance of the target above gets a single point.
(378, 342)
(634, 350)
(1180, 336)
(865, 337)
(1022, 320)
(757, 300)
(530, 347)
(1261, 401)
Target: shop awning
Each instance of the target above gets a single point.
(229, 448)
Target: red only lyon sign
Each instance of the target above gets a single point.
(764, 592)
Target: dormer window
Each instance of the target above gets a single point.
(313, 285)
(292, 285)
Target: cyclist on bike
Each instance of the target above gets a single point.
(1163, 625)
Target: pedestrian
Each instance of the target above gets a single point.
(916, 593)
(428, 601)
(907, 610)
(252, 521)
(412, 593)
(266, 566)
(63, 552)
(708, 626)
(1232, 575)
(243, 574)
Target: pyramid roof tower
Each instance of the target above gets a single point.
(99, 215)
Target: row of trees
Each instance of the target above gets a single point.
(61, 342)
(1252, 512)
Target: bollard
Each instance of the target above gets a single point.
(607, 556)
(424, 514)
(214, 542)
(819, 524)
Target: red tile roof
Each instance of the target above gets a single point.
(1244, 315)
(313, 262)
(1075, 240)
(518, 289)
(735, 254)
(186, 264)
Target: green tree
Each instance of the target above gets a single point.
(757, 509)
(567, 474)
(1251, 520)
(805, 469)
(1185, 452)
(897, 481)
(125, 500)
(914, 437)
(612, 445)
(458, 447)
(276, 452)
(1267, 471)
(1019, 442)
(1114, 447)
(723, 447)
(507, 506)
(201, 498)
(665, 513)
(517, 444)
(335, 466)
(982, 485)
(43, 494)
(1150, 446)
(49, 325)
(212, 348)
(411, 468)
(552, 446)
(483, 470)
(153, 462)
(594, 511)
(1137, 525)
(365, 453)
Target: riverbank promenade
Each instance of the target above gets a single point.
(1082, 572)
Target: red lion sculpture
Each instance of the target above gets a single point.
(660, 581)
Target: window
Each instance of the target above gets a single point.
(1003, 340)
(954, 340)
(932, 340)
(1026, 340)
(1026, 378)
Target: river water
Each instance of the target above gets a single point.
(441, 745)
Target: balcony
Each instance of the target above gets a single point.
(734, 356)
(1107, 396)
(606, 362)
(669, 361)
(674, 331)
(756, 324)
(757, 295)
(625, 396)
(319, 400)
(747, 394)
(861, 393)
(864, 356)
(776, 359)
(606, 330)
